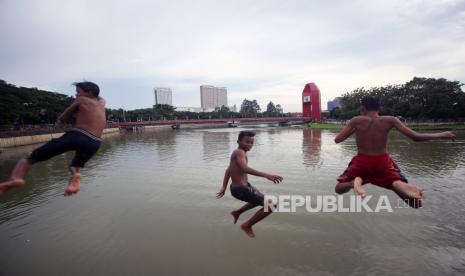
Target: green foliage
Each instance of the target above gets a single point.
(335, 113)
(420, 98)
(21, 105)
(250, 108)
(271, 110)
(224, 112)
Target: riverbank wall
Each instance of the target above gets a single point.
(42, 138)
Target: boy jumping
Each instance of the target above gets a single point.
(88, 114)
(373, 164)
(241, 188)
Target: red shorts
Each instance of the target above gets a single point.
(378, 169)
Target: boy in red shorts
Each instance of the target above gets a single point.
(373, 164)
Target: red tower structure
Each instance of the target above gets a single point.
(311, 102)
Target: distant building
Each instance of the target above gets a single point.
(233, 108)
(337, 102)
(163, 96)
(331, 105)
(211, 97)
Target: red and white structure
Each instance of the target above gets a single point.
(311, 102)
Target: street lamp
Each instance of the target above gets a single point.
(124, 114)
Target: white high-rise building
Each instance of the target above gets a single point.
(163, 96)
(211, 97)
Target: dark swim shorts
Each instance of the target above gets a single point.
(247, 193)
(379, 170)
(84, 143)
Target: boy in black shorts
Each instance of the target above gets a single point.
(88, 114)
(241, 188)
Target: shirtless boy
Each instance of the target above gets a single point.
(88, 114)
(241, 188)
(373, 164)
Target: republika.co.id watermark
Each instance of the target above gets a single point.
(332, 203)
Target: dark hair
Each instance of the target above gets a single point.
(371, 103)
(89, 87)
(245, 133)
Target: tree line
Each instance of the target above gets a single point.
(249, 108)
(21, 106)
(419, 99)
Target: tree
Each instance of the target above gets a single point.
(222, 112)
(335, 113)
(22, 105)
(271, 110)
(420, 98)
(164, 111)
(250, 108)
(279, 109)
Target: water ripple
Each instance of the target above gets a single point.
(147, 206)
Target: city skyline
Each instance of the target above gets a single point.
(163, 95)
(336, 102)
(212, 97)
(263, 50)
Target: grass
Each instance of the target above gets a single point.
(455, 126)
(438, 127)
(323, 126)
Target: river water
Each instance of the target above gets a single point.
(147, 206)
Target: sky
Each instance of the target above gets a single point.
(263, 50)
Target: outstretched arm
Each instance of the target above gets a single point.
(242, 163)
(66, 115)
(415, 136)
(346, 132)
(227, 175)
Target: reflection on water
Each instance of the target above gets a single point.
(147, 207)
(213, 144)
(311, 147)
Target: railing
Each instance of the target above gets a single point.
(29, 130)
(210, 121)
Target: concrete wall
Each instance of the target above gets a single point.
(157, 127)
(36, 139)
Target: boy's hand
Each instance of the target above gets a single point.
(275, 178)
(220, 194)
(448, 135)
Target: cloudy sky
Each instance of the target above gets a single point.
(265, 50)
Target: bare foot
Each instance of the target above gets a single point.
(343, 187)
(409, 193)
(358, 187)
(235, 215)
(13, 183)
(248, 231)
(415, 196)
(74, 184)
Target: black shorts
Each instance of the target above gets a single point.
(84, 143)
(247, 193)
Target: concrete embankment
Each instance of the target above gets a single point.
(36, 139)
(43, 138)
